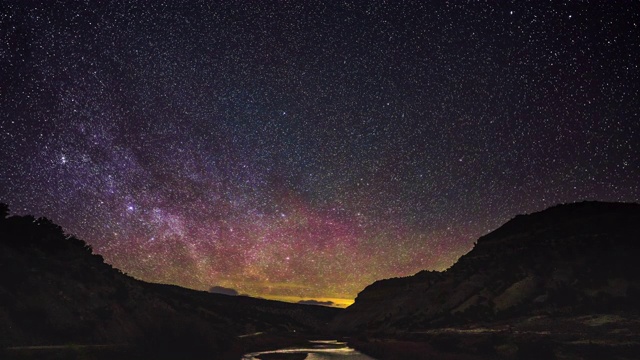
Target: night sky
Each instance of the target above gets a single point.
(302, 150)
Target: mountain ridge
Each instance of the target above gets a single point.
(562, 238)
(55, 291)
(556, 284)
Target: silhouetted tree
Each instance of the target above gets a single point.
(18, 230)
(4, 211)
(74, 242)
(50, 234)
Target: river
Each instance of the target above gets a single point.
(319, 350)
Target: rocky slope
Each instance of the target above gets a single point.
(54, 291)
(568, 260)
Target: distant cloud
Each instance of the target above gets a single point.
(223, 290)
(316, 302)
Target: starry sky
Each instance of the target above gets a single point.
(304, 149)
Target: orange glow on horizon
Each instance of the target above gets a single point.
(337, 302)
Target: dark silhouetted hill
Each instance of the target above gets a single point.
(569, 273)
(55, 291)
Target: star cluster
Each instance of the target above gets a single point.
(301, 150)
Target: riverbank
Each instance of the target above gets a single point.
(333, 349)
(598, 336)
(70, 351)
(268, 341)
(391, 349)
(129, 352)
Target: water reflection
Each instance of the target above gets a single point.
(319, 350)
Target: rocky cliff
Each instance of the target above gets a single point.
(567, 260)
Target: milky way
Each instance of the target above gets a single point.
(302, 150)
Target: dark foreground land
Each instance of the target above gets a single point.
(598, 336)
(234, 350)
(559, 284)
